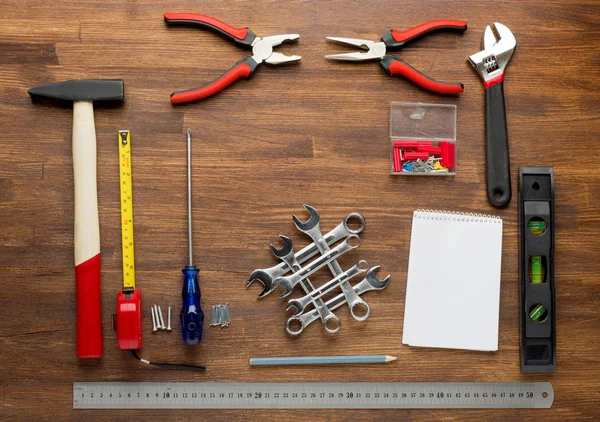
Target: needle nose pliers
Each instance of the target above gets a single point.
(262, 51)
(395, 40)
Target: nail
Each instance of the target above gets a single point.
(169, 320)
(160, 319)
(153, 320)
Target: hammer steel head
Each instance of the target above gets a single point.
(82, 90)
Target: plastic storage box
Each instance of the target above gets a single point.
(422, 139)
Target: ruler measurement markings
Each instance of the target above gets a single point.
(311, 395)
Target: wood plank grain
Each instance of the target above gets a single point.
(313, 132)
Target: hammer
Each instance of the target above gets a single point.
(87, 231)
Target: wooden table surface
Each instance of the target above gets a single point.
(315, 132)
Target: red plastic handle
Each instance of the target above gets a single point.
(239, 33)
(427, 27)
(243, 68)
(89, 312)
(399, 67)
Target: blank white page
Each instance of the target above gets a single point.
(453, 286)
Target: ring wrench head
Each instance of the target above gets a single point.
(348, 220)
(289, 325)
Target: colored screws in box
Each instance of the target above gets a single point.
(423, 157)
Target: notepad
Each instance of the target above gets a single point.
(453, 286)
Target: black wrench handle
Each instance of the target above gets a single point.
(496, 147)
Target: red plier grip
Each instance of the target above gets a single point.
(397, 39)
(397, 66)
(242, 69)
(242, 36)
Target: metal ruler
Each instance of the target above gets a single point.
(126, 208)
(310, 395)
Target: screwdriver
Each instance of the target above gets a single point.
(191, 316)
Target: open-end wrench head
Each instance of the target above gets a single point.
(287, 287)
(296, 304)
(374, 281)
(311, 223)
(285, 250)
(264, 278)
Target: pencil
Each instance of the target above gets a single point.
(321, 360)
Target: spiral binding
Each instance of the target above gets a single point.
(465, 217)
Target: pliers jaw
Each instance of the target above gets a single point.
(262, 49)
(375, 50)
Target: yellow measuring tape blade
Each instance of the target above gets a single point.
(126, 208)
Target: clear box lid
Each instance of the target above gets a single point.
(423, 121)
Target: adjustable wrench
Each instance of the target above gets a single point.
(286, 254)
(329, 256)
(490, 64)
(312, 229)
(314, 295)
(266, 276)
(370, 282)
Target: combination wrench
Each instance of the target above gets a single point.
(288, 282)
(286, 254)
(370, 282)
(268, 275)
(301, 303)
(312, 229)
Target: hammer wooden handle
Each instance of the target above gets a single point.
(87, 233)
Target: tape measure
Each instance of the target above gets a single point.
(306, 395)
(126, 209)
(128, 318)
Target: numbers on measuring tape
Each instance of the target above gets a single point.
(126, 209)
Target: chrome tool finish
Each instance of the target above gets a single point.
(311, 228)
(296, 324)
(268, 275)
(286, 254)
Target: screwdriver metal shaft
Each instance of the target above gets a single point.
(191, 316)
(189, 193)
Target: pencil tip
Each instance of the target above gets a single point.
(390, 358)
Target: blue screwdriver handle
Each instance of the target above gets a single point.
(191, 317)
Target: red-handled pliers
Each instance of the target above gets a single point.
(262, 51)
(395, 40)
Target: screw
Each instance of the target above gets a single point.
(213, 315)
(159, 318)
(153, 320)
(223, 318)
(169, 320)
